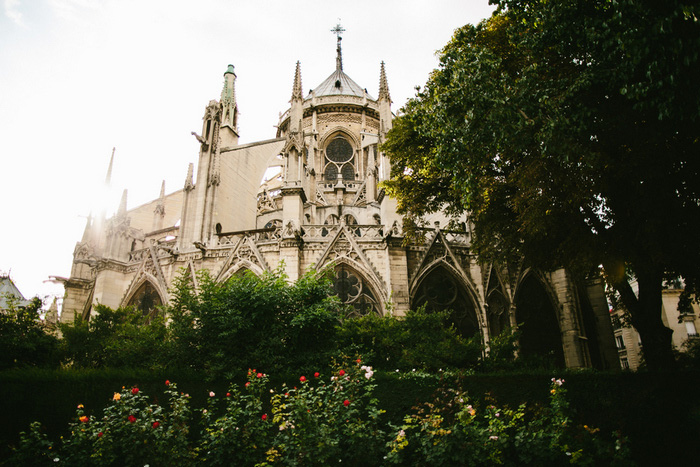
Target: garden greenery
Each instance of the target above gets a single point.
(320, 418)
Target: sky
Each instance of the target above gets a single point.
(81, 77)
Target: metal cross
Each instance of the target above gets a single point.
(338, 30)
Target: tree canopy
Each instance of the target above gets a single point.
(568, 130)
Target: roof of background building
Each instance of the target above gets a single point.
(339, 84)
(8, 288)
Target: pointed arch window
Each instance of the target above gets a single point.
(440, 291)
(146, 299)
(354, 291)
(339, 160)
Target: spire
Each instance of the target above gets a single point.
(189, 179)
(121, 212)
(229, 115)
(338, 30)
(383, 85)
(108, 178)
(296, 89)
(162, 191)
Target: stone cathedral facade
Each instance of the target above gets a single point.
(321, 206)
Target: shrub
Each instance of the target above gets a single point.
(25, 340)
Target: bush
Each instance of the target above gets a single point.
(25, 340)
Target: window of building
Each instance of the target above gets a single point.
(354, 291)
(620, 342)
(625, 364)
(690, 327)
(339, 160)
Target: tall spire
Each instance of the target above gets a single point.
(338, 30)
(296, 89)
(229, 115)
(108, 178)
(383, 85)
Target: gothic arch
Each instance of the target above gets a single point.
(361, 291)
(440, 286)
(497, 304)
(146, 295)
(342, 161)
(537, 315)
(239, 268)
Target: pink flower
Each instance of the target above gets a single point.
(211, 394)
(302, 379)
(341, 372)
(156, 424)
(132, 419)
(317, 374)
(346, 402)
(135, 391)
(264, 416)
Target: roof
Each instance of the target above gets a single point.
(8, 288)
(339, 84)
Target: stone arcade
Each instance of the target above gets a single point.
(325, 208)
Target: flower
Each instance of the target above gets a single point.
(341, 372)
(132, 419)
(498, 414)
(81, 406)
(493, 438)
(84, 419)
(167, 382)
(317, 374)
(247, 384)
(264, 416)
(346, 402)
(359, 360)
(155, 425)
(228, 394)
(302, 379)
(135, 391)
(471, 410)
(99, 435)
(117, 396)
(211, 394)
(259, 375)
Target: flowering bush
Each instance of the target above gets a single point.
(454, 431)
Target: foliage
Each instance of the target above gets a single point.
(122, 338)
(453, 431)
(25, 340)
(418, 340)
(568, 130)
(326, 418)
(250, 321)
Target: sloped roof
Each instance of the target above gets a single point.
(339, 84)
(7, 288)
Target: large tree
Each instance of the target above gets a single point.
(569, 131)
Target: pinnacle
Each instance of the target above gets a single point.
(383, 84)
(296, 89)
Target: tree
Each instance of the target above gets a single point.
(568, 129)
(25, 340)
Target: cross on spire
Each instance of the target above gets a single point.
(338, 30)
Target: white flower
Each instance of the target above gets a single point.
(211, 394)
(493, 438)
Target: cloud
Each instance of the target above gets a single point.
(13, 13)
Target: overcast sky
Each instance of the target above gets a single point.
(79, 77)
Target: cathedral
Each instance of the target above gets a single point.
(312, 198)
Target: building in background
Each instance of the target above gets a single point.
(311, 197)
(9, 293)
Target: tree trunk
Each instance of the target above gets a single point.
(645, 313)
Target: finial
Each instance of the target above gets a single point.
(338, 30)
(108, 178)
(296, 90)
(383, 84)
(189, 179)
(162, 190)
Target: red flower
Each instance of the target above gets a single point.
(156, 424)
(302, 379)
(228, 394)
(84, 419)
(359, 360)
(259, 375)
(167, 382)
(346, 402)
(135, 391)
(132, 419)
(99, 435)
(317, 374)
(264, 416)
(247, 384)
(341, 372)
